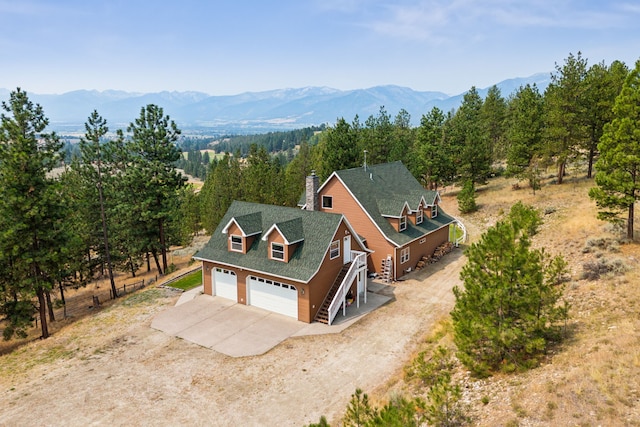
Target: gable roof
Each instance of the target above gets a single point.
(383, 191)
(291, 230)
(315, 229)
(249, 224)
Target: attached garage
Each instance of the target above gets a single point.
(273, 296)
(225, 284)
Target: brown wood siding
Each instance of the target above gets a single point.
(343, 203)
(418, 250)
(321, 283)
(206, 277)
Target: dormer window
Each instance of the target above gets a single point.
(403, 223)
(277, 251)
(419, 216)
(236, 243)
(434, 211)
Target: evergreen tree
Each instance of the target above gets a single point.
(222, 186)
(402, 138)
(32, 213)
(493, 114)
(154, 152)
(618, 168)
(90, 167)
(470, 138)
(603, 84)
(433, 163)
(508, 311)
(524, 130)
(565, 109)
(338, 149)
(377, 137)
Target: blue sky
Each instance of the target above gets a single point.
(230, 47)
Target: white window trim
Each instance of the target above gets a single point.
(405, 255)
(334, 252)
(241, 243)
(434, 211)
(330, 199)
(419, 216)
(273, 251)
(402, 223)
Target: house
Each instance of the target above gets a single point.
(398, 219)
(304, 264)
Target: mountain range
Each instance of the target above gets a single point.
(251, 112)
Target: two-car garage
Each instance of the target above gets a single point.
(263, 293)
(273, 296)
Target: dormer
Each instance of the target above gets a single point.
(431, 205)
(242, 230)
(400, 221)
(417, 215)
(283, 239)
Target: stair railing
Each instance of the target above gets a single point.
(340, 298)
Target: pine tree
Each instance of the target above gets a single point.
(508, 311)
(154, 152)
(618, 168)
(32, 238)
(524, 130)
(565, 109)
(91, 168)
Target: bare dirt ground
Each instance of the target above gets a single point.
(112, 368)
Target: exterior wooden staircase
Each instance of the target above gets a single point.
(322, 315)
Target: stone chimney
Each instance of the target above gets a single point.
(312, 192)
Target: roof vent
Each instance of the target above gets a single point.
(371, 176)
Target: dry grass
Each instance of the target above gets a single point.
(593, 378)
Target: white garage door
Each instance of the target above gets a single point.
(273, 296)
(225, 284)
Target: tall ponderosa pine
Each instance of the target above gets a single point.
(32, 213)
(524, 130)
(565, 107)
(603, 85)
(508, 310)
(338, 149)
(493, 114)
(433, 163)
(91, 168)
(470, 138)
(154, 152)
(618, 167)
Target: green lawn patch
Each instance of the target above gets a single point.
(189, 281)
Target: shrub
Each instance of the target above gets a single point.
(467, 198)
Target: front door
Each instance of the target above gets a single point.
(346, 249)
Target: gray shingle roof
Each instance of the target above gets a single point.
(250, 223)
(383, 189)
(317, 228)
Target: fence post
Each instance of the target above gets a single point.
(125, 289)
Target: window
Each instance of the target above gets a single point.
(403, 223)
(404, 255)
(434, 211)
(335, 249)
(277, 251)
(236, 243)
(419, 216)
(424, 239)
(327, 202)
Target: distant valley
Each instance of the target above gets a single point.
(252, 112)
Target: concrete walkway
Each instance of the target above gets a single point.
(239, 330)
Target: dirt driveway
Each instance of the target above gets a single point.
(114, 369)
